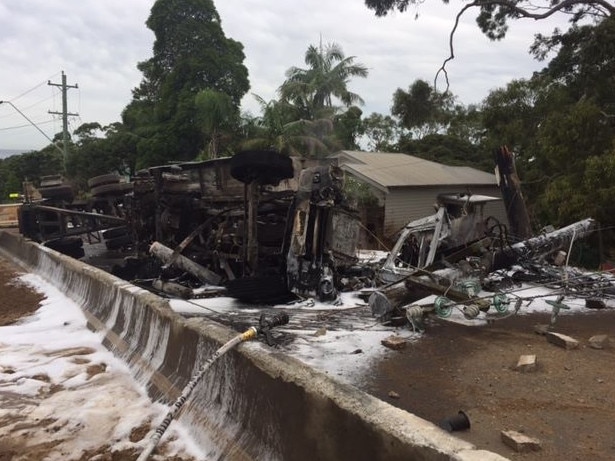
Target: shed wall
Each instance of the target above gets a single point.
(405, 204)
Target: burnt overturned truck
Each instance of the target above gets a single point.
(259, 223)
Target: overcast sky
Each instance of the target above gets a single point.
(98, 44)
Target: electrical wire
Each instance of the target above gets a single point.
(34, 88)
(26, 125)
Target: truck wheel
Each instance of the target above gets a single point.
(64, 192)
(111, 189)
(112, 178)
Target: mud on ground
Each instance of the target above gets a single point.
(568, 402)
(16, 301)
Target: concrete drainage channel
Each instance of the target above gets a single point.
(255, 403)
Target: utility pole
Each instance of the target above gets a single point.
(65, 114)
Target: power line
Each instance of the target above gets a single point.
(31, 122)
(27, 125)
(29, 107)
(33, 88)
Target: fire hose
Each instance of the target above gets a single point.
(264, 328)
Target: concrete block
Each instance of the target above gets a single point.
(526, 363)
(519, 442)
(477, 455)
(598, 341)
(561, 340)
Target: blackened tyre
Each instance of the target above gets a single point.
(263, 166)
(52, 180)
(111, 189)
(70, 246)
(261, 289)
(118, 243)
(64, 192)
(112, 178)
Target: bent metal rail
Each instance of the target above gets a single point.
(257, 403)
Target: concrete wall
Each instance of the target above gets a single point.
(256, 403)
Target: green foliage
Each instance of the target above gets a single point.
(422, 109)
(449, 150)
(280, 128)
(359, 192)
(100, 150)
(218, 117)
(382, 133)
(191, 55)
(493, 15)
(305, 121)
(314, 89)
(348, 127)
(16, 169)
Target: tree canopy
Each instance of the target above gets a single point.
(493, 15)
(190, 54)
(313, 89)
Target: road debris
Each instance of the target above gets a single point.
(526, 363)
(562, 340)
(598, 341)
(394, 342)
(519, 442)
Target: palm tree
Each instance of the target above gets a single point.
(280, 128)
(217, 116)
(312, 90)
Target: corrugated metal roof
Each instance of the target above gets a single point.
(398, 170)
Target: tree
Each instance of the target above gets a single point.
(100, 150)
(561, 125)
(381, 132)
(314, 89)
(422, 109)
(281, 128)
(348, 128)
(217, 115)
(493, 15)
(190, 54)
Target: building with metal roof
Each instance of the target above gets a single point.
(406, 187)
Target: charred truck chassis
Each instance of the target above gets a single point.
(259, 221)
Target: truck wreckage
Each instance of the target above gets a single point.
(265, 228)
(258, 226)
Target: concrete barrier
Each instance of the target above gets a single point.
(256, 403)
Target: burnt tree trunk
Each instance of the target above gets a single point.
(510, 186)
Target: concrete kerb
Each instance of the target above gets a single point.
(257, 403)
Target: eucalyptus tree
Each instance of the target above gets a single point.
(190, 54)
(381, 132)
(561, 125)
(422, 110)
(493, 15)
